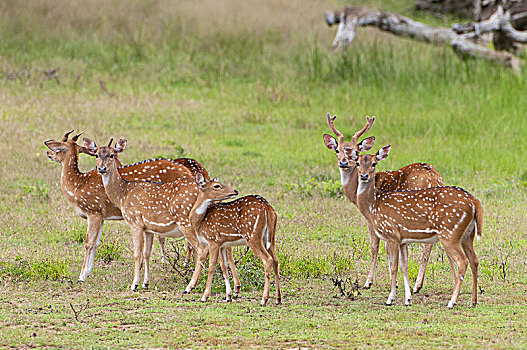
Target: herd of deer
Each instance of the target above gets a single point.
(177, 198)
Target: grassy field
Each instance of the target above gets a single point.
(244, 87)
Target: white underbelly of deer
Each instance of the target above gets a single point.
(430, 240)
(114, 218)
(169, 229)
(240, 242)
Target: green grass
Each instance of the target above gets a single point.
(244, 89)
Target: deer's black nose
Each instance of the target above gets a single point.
(364, 177)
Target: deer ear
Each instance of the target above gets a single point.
(55, 146)
(90, 145)
(351, 153)
(200, 180)
(330, 142)
(84, 150)
(366, 144)
(383, 153)
(120, 146)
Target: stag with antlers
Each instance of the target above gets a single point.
(449, 215)
(247, 221)
(86, 190)
(411, 177)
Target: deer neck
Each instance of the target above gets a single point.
(199, 210)
(71, 175)
(366, 194)
(348, 178)
(114, 185)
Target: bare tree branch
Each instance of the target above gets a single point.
(350, 18)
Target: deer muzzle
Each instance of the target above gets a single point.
(343, 163)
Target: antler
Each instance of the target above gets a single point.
(76, 137)
(65, 138)
(110, 143)
(366, 127)
(334, 129)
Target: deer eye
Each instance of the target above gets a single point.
(96, 155)
(357, 163)
(374, 164)
(337, 151)
(216, 186)
(111, 155)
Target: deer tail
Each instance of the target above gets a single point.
(478, 215)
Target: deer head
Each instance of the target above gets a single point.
(366, 162)
(213, 190)
(338, 145)
(61, 150)
(107, 156)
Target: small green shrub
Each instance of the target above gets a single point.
(39, 190)
(77, 234)
(22, 269)
(309, 265)
(110, 251)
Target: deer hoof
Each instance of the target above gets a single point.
(367, 285)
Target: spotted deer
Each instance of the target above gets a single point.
(86, 190)
(411, 177)
(449, 215)
(149, 208)
(247, 221)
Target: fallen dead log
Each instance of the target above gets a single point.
(351, 18)
(503, 24)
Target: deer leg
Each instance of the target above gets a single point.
(262, 254)
(403, 258)
(225, 272)
(276, 275)
(163, 249)
(452, 264)
(392, 250)
(468, 249)
(425, 257)
(374, 247)
(188, 254)
(138, 239)
(455, 251)
(149, 238)
(93, 238)
(235, 277)
(213, 261)
(201, 255)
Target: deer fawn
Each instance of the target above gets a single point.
(411, 177)
(249, 221)
(449, 215)
(149, 208)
